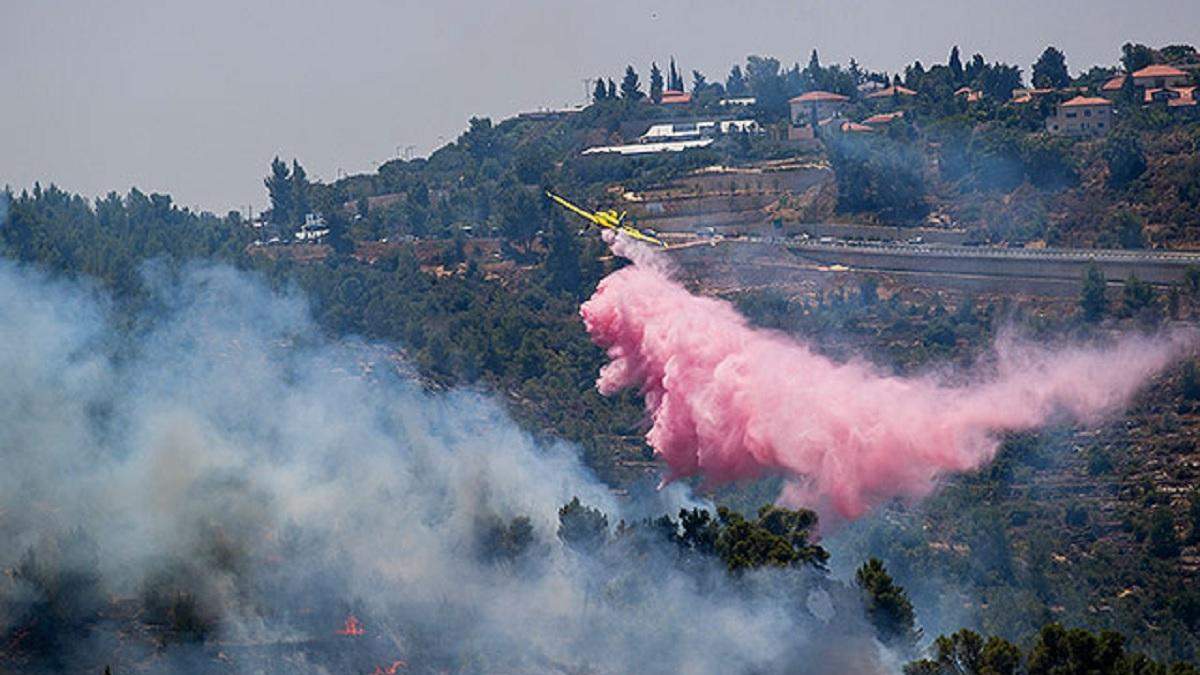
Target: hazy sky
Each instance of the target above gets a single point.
(195, 98)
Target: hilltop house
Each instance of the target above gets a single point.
(816, 105)
(1159, 76)
(1081, 116)
(1161, 84)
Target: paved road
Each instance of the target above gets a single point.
(1155, 266)
(1064, 254)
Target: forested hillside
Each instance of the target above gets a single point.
(460, 264)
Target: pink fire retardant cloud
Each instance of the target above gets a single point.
(728, 401)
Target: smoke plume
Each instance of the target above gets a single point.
(728, 401)
(217, 488)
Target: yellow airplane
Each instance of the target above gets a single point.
(607, 219)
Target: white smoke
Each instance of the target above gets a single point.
(285, 481)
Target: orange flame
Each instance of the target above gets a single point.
(352, 627)
(392, 669)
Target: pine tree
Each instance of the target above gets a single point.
(813, 72)
(975, 68)
(856, 72)
(279, 187)
(699, 82)
(1163, 541)
(582, 527)
(631, 89)
(1050, 70)
(612, 90)
(674, 81)
(955, 64)
(1092, 300)
(735, 84)
(300, 204)
(656, 84)
(887, 605)
(599, 92)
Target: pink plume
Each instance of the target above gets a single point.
(728, 401)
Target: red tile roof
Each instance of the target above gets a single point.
(814, 96)
(1086, 100)
(1159, 70)
(1114, 84)
(671, 96)
(894, 90)
(854, 127)
(884, 118)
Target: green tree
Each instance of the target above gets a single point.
(778, 538)
(631, 89)
(1127, 228)
(1061, 651)
(966, 653)
(1136, 56)
(499, 540)
(887, 605)
(1162, 538)
(998, 80)
(1092, 299)
(562, 259)
(700, 531)
(1193, 512)
(875, 173)
(656, 84)
(519, 215)
(599, 92)
(612, 90)
(300, 194)
(279, 188)
(735, 84)
(1124, 156)
(699, 82)
(479, 140)
(1050, 70)
(767, 84)
(1136, 296)
(674, 81)
(955, 65)
(1192, 280)
(583, 528)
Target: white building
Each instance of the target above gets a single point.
(313, 228)
(648, 147)
(690, 131)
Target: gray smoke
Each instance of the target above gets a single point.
(223, 468)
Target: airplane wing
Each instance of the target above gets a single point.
(601, 222)
(575, 209)
(641, 236)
